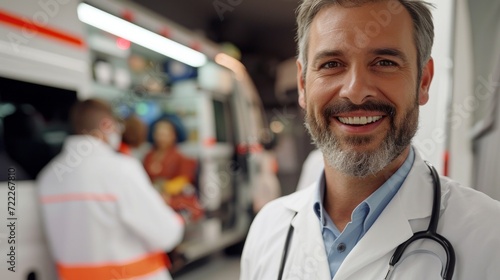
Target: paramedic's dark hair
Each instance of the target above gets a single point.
(87, 115)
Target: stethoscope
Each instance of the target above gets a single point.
(430, 233)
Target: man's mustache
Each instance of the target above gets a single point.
(345, 106)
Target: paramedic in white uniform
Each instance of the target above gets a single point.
(364, 68)
(102, 216)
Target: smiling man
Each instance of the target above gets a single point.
(364, 68)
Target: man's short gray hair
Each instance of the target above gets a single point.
(419, 10)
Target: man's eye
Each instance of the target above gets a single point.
(386, 63)
(331, 64)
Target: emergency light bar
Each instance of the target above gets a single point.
(140, 36)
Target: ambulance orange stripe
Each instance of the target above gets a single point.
(78, 197)
(21, 23)
(139, 268)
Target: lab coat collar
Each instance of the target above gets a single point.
(298, 201)
(417, 191)
(307, 258)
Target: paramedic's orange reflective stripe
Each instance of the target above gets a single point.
(31, 27)
(77, 197)
(138, 268)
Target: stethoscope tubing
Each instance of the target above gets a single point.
(431, 232)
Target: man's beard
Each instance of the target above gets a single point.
(361, 164)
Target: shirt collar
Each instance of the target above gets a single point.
(371, 207)
(379, 199)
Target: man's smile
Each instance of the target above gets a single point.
(359, 120)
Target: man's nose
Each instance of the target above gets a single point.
(357, 86)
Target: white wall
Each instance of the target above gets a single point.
(461, 157)
(431, 137)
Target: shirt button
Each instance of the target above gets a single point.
(341, 247)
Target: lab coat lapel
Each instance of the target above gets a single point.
(390, 230)
(413, 201)
(307, 258)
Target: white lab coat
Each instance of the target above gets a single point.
(470, 220)
(100, 210)
(312, 169)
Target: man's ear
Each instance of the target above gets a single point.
(425, 82)
(300, 85)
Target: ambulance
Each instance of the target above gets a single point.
(54, 52)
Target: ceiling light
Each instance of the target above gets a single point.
(140, 36)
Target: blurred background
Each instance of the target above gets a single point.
(235, 94)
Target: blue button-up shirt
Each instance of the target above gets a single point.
(339, 244)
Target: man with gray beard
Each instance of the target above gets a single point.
(364, 68)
